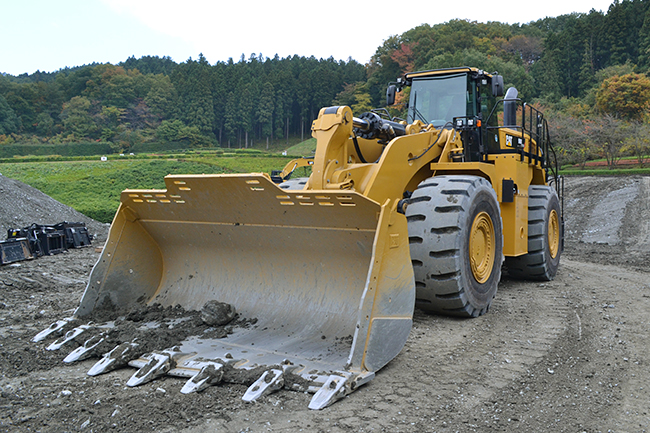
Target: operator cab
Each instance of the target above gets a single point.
(439, 99)
(460, 98)
(465, 99)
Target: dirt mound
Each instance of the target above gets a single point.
(21, 205)
(606, 220)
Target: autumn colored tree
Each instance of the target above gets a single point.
(626, 96)
(526, 48)
(405, 57)
(108, 120)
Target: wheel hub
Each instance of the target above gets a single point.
(482, 247)
(553, 234)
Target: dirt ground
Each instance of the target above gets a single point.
(571, 355)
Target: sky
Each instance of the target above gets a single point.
(49, 35)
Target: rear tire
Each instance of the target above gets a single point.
(544, 237)
(294, 184)
(456, 243)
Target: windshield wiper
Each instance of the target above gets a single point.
(415, 109)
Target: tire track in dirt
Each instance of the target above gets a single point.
(456, 365)
(597, 381)
(499, 353)
(620, 325)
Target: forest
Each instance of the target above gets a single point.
(586, 71)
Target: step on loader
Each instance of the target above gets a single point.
(396, 213)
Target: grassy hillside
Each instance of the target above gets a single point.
(93, 187)
(304, 148)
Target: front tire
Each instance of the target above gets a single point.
(456, 243)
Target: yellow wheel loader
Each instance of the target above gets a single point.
(396, 213)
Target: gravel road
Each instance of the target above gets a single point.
(570, 355)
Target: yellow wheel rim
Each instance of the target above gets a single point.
(482, 247)
(553, 234)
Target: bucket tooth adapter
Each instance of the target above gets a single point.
(396, 213)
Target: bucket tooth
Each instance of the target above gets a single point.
(91, 347)
(116, 358)
(210, 374)
(271, 380)
(69, 336)
(159, 363)
(338, 386)
(335, 388)
(55, 328)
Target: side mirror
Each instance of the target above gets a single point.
(497, 85)
(390, 94)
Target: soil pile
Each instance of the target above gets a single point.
(21, 205)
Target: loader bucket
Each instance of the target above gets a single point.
(326, 274)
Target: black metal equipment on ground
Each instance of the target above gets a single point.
(14, 250)
(39, 240)
(75, 234)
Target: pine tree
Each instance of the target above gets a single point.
(547, 77)
(615, 33)
(644, 43)
(194, 85)
(245, 112)
(230, 120)
(265, 111)
(587, 71)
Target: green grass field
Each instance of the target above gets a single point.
(93, 187)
